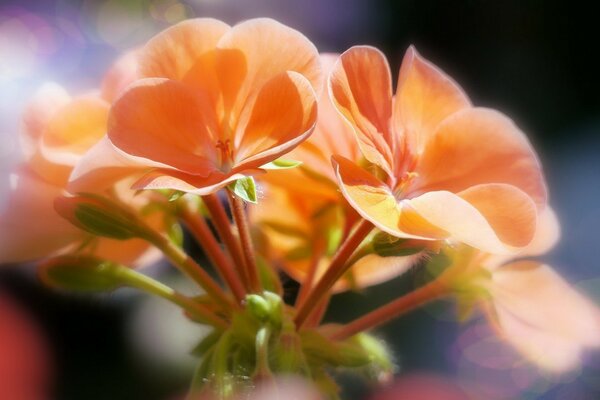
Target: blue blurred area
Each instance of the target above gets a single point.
(532, 60)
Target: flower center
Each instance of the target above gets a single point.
(225, 154)
(403, 186)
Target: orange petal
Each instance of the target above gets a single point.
(510, 212)
(373, 200)
(123, 72)
(373, 269)
(546, 234)
(69, 134)
(30, 229)
(361, 89)
(76, 127)
(543, 316)
(424, 97)
(101, 167)
(162, 120)
(38, 112)
(172, 53)
(475, 146)
(169, 179)
(462, 220)
(332, 134)
(283, 115)
(255, 51)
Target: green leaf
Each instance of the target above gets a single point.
(282, 164)
(245, 188)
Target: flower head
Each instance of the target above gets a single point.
(213, 103)
(440, 168)
(533, 308)
(58, 131)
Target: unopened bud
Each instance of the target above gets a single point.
(98, 216)
(81, 273)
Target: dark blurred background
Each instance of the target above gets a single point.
(533, 60)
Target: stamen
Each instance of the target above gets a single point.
(225, 157)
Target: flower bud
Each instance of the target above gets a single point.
(82, 273)
(98, 216)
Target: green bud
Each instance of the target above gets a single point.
(258, 307)
(82, 273)
(381, 366)
(98, 216)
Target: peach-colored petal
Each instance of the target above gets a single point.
(475, 146)
(162, 120)
(69, 133)
(102, 166)
(253, 52)
(373, 269)
(169, 179)
(29, 227)
(542, 315)
(303, 182)
(122, 73)
(172, 53)
(283, 115)
(462, 220)
(546, 234)
(332, 134)
(424, 97)
(45, 103)
(360, 87)
(510, 212)
(374, 201)
(76, 126)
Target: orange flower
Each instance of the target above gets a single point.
(303, 216)
(536, 310)
(58, 131)
(214, 103)
(441, 169)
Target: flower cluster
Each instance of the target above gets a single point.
(304, 165)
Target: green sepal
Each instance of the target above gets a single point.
(245, 188)
(176, 195)
(206, 344)
(282, 163)
(386, 245)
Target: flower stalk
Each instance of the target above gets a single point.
(336, 270)
(199, 228)
(423, 295)
(239, 216)
(224, 229)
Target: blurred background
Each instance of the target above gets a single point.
(533, 60)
